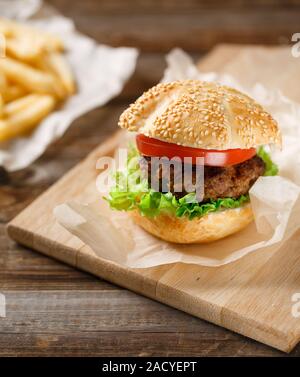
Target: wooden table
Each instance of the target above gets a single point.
(56, 310)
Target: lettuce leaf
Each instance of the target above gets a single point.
(271, 167)
(131, 191)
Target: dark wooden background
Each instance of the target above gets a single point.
(53, 309)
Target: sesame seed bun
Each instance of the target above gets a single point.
(199, 114)
(204, 229)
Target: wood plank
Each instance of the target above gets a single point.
(251, 296)
(95, 311)
(167, 6)
(194, 26)
(126, 344)
(64, 322)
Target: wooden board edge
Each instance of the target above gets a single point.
(106, 148)
(161, 292)
(112, 270)
(227, 318)
(37, 243)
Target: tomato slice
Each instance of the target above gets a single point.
(156, 148)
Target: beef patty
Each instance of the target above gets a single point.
(219, 182)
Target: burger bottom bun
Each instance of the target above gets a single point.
(204, 229)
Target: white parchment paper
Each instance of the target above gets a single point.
(100, 73)
(275, 200)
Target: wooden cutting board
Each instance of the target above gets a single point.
(252, 296)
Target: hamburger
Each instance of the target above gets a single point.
(191, 121)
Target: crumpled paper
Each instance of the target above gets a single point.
(19, 9)
(100, 73)
(275, 200)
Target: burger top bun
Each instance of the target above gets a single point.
(201, 114)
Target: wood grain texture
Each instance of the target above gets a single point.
(87, 323)
(251, 296)
(25, 271)
(194, 25)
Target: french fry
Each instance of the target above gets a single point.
(3, 83)
(34, 76)
(55, 63)
(47, 41)
(18, 105)
(1, 106)
(31, 78)
(50, 42)
(13, 92)
(23, 48)
(4, 29)
(27, 118)
(58, 88)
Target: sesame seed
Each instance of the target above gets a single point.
(201, 109)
